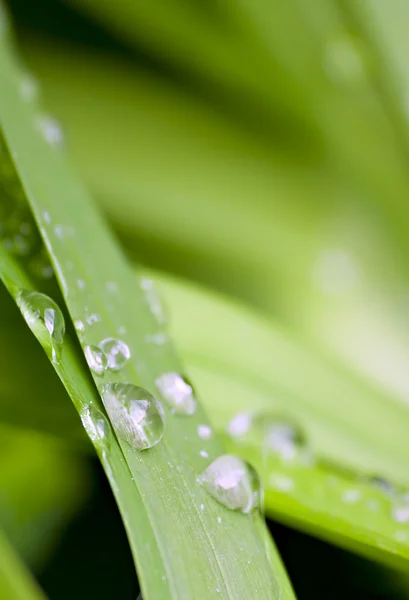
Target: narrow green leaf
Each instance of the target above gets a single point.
(180, 522)
(15, 582)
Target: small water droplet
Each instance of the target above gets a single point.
(204, 432)
(50, 129)
(240, 424)
(400, 510)
(157, 338)
(28, 87)
(351, 496)
(96, 425)
(233, 483)
(136, 415)
(81, 284)
(153, 300)
(79, 326)
(281, 482)
(219, 520)
(116, 351)
(96, 359)
(45, 320)
(204, 454)
(202, 507)
(47, 217)
(177, 392)
(91, 319)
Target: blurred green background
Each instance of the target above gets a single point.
(260, 149)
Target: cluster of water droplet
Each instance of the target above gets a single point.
(110, 354)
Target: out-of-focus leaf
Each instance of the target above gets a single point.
(15, 581)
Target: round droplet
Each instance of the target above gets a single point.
(50, 129)
(136, 415)
(204, 432)
(177, 393)
(153, 300)
(44, 318)
(232, 482)
(116, 351)
(400, 510)
(96, 359)
(79, 326)
(96, 425)
(240, 424)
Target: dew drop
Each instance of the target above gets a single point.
(233, 483)
(177, 392)
(136, 415)
(204, 432)
(91, 319)
(45, 320)
(50, 129)
(153, 300)
(79, 326)
(96, 425)
(28, 87)
(400, 510)
(96, 359)
(240, 424)
(116, 351)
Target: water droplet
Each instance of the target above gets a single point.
(47, 217)
(204, 454)
(177, 393)
(28, 87)
(240, 424)
(345, 59)
(45, 320)
(157, 338)
(219, 520)
(116, 351)
(93, 319)
(233, 483)
(153, 300)
(81, 284)
(204, 432)
(351, 496)
(50, 129)
(96, 425)
(400, 510)
(136, 415)
(281, 482)
(79, 326)
(202, 507)
(96, 359)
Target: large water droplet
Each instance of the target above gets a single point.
(232, 482)
(96, 359)
(116, 351)
(96, 425)
(136, 415)
(45, 320)
(177, 393)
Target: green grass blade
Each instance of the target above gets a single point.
(179, 518)
(15, 582)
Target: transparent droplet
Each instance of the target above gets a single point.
(240, 424)
(232, 482)
(50, 129)
(96, 425)
(153, 300)
(28, 87)
(204, 432)
(91, 319)
(116, 351)
(136, 415)
(345, 59)
(45, 319)
(400, 508)
(79, 326)
(96, 359)
(177, 393)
